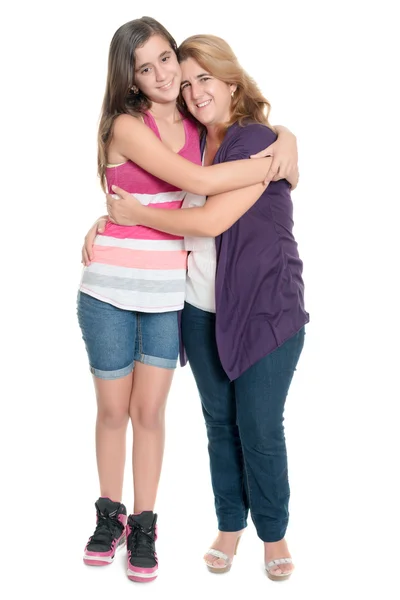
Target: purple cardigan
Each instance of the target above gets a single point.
(259, 291)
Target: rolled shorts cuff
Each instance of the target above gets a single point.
(116, 374)
(156, 361)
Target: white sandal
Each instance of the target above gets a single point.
(223, 556)
(275, 563)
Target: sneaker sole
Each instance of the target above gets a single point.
(142, 577)
(103, 561)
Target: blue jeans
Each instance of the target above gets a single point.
(115, 339)
(244, 420)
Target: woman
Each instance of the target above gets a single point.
(244, 317)
(134, 287)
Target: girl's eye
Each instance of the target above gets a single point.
(165, 58)
(205, 78)
(146, 70)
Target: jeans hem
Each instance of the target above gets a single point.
(231, 525)
(269, 536)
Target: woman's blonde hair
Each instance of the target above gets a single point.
(216, 57)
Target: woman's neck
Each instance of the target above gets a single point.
(212, 135)
(212, 145)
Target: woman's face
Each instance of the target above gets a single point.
(207, 98)
(158, 73)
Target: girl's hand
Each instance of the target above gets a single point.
(285, 158)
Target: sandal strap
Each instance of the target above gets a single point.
(279, 561)
(218, 554)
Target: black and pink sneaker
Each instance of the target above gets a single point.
(141, 534)
(109, 534)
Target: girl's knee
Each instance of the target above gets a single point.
(147, 415)
(113, 418)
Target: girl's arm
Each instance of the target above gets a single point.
(285, 157)
(220, 211)
(136, 142)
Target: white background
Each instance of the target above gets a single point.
(329, 70)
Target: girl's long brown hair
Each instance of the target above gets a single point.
(119, 98)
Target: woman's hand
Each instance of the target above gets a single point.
(124, 209)
(285, 157)
(87, 248)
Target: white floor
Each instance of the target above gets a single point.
(341, 533)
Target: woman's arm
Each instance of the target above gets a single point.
(218, 214)
(87, 248)
(136, 142)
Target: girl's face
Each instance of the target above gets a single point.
(158, 73)
(207, 98)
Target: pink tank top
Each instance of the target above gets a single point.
(138, 268)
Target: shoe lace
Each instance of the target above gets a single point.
(106, 529)
(141, 540)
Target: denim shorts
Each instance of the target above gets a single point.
(116, 338)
